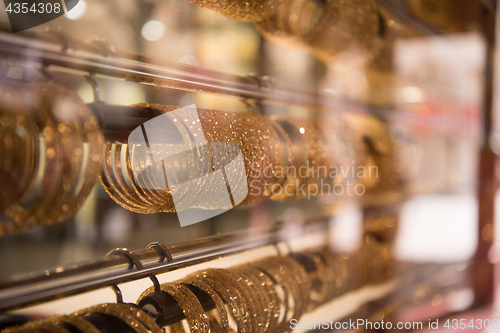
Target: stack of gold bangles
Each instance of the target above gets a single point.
(261, 296)
(52, 147)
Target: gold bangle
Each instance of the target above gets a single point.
(22, 329)
(238, 283)
(283, 301)
(298, 276)
(122, 183)
(113, 178)
(336, 271)
(219, 304)
(113, 310)
(231, 296)
(46, 326)
(110, 185)
(266, 291)
(256, 295)
(80, 323)
(289, 274)
(141, 316)
(319, 276)
(283, 278)
(190, 306)
(162, 197)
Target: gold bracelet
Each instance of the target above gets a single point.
(162, 197)
(190, 306)
(113, 310)
(141, 316)
(110, 185)
(257, 297)
(336, 271)
(238, 283)
(46, 326)
(122, 183)
(22, 329)
(266, 291)
(116, 179)
(231, 296)
(319, 280)
(281, 275)
(219, 304)
(80, 323)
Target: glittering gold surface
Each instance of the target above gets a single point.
(119, 311)
(45, 130)
(243, 10)
(253, 133)
(221, 323)
(284, 158)
(261, 296)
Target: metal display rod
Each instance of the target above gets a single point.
(56, 50)
(123, 266)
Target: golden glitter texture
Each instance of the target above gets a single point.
(243, 10)
(45, 129)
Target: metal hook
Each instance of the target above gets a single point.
(124, 252)
(162, 250)
(134, 261)
(118, 293)
(164, 256)
(95, 87)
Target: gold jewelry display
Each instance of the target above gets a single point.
(266, 292)
(47, 327)
(189, 304)
(252, 133)
(137, 313)
(281, 156)
(117, 311)
(336, 272)
(238, 285)
(320, 283)
(22, 329)
(78, 322)
(223, 323)
(231, 296)
(54, 153)
(261, 296)
(284, 276)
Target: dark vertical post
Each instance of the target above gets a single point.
(487, 185)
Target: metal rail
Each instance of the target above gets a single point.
(114, 269)
(102, 60)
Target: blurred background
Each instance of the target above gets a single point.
(432, 104)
